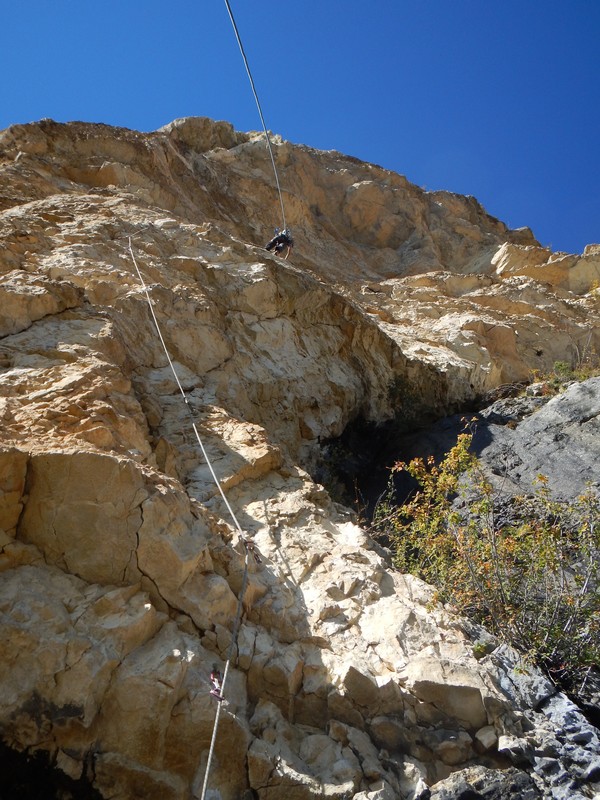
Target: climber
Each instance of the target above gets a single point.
(215, 679)
(280, 241)
(251, 548)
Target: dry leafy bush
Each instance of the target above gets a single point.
(531, 576)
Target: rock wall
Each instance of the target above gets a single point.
(120, 569)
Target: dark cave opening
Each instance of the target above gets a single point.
(34, 777)
(355, 467)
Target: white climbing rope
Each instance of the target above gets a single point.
(183, 394)
(248, 545)
(262, 119)
(230, 655)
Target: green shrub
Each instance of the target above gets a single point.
(534, 581)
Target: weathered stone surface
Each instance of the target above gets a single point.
(486, 738)
(518, 439)
(561, 441)
(455, 690)
(13, 469)
(523, 685)
(62, 641)
(451, 747)
(63, 516)
(121, 569)
(486, 784)
(577, 274)
(306, 765)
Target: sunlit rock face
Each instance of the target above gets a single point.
(120, 566)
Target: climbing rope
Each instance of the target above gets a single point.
(183, 394)
(249, 546)
(230, 655)
(262, 119)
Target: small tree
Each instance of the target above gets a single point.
(533, 580)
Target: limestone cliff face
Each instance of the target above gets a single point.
(120, 569)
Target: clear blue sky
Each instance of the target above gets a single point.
(500, 100)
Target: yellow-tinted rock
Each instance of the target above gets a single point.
(121, 569)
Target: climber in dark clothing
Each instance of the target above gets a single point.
(215, 679)
(280, 241)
